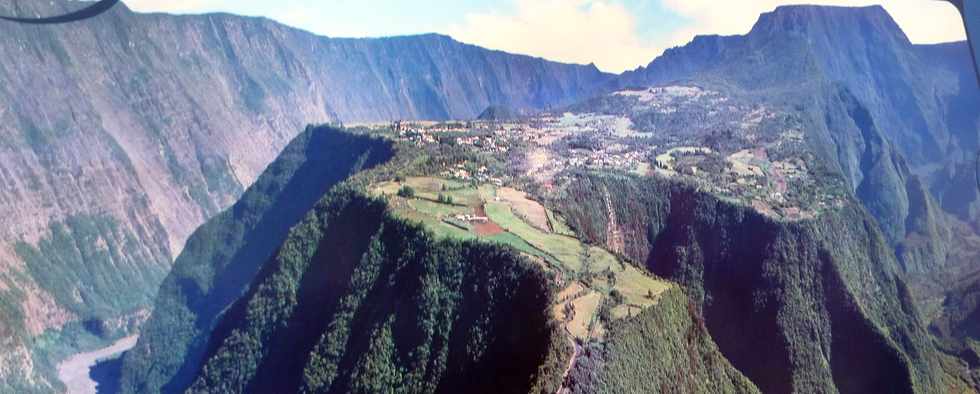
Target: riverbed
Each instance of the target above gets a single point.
(75, 371)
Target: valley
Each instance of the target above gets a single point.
(780, 211)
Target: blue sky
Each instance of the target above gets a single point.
(616, 35)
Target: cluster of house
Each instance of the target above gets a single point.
(484, 143)
(481, 175)
(422, 133)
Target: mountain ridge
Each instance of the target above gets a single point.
(120, 168)
(122, 134)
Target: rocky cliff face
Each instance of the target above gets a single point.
(124, 133)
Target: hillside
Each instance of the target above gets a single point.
(224, 255)
(958, 327)
(897, 119)
(125, 133)
(356, 294)
(827, 152)
(364, 291)
(811, 306)
(357, 301)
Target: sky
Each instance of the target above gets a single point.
(616, 35)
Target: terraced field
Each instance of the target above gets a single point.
(592, 278)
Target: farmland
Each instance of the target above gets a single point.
(591, 278)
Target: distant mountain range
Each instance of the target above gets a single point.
(124, 134)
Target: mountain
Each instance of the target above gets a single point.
(920, 94)
(124, 133)
(754, 300)
(358, 301)
(904, 121)
(224, 255)
(354, 299)
(812, 306)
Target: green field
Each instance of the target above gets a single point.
(599, 271)
(567, 250)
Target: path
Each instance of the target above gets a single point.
(571, 364)
(74, 371)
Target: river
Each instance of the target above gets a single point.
(75, 372)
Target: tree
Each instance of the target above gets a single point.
(406, 192)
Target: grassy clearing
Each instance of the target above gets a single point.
(584, 315)
(639, 288)
(567, 250)
(531, 211)
(599, 259)
(438, 210)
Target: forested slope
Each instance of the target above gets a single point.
(357, 301)
(223, 256)
(810, 306)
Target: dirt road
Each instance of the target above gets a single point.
(571, 364)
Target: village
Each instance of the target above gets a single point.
(741, 151)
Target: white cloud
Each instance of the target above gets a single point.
(604, 31)
(923, 21)
(580, 31)
(576, 31)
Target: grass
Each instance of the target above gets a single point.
(440, 210)
(637, 286)
(567, 250)
(558, 224)
(585, 311)
(600, 259)
(531, 211)
(550, 239)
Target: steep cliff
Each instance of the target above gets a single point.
(887, 111)
(122, 134)
(357, 301)
(224, 255)
(809, 306)
(664, 349)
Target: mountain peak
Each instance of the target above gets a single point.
(845, 22)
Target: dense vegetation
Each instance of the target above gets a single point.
(359, 301)
(223, 256)
(958, 327)
(811, 306)
(665, 349)
(93, 268)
